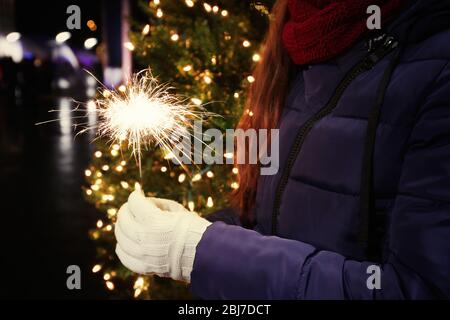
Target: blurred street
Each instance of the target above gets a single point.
(44, 218)
(46, 64)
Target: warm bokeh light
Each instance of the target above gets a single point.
(91, 25)
(63, 37)
(90, 43)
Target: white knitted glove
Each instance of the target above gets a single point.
(158, 236)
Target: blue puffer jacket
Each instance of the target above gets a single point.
(383, 124)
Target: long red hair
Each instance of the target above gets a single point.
(265, 99)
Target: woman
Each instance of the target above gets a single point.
(364, 177)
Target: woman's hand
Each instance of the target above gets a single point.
(158, 236)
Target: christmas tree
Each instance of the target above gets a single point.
(207, 52)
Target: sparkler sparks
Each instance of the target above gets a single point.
(142, 114)
(146, 114)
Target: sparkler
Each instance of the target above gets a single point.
(143, 113)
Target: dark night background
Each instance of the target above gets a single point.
(44, 217)
(46, 18)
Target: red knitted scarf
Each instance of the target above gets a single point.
(318, 30)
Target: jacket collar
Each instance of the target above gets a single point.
(421, 20)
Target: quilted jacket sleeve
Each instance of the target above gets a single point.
(235, 263)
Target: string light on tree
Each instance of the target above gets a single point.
(110, 285)
(96, 268)
(106, 93)
(129, 46)
(139, 283)
(207, 79)
(196, 101)
(139, 286)
(181, 178)
(137, 186)
(137, 292)
(207, 7)
(169, 156)
(256, 57)
(210, 202)
(146, 30)
(112, 212)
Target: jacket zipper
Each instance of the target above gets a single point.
(367, 63)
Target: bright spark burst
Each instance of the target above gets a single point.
(142, 114)
(146, 114)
